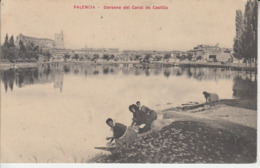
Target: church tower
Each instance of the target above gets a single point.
(58, 40)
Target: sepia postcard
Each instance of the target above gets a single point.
(132, 82)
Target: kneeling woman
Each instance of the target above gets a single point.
(144, 116)
(121, 133)
(211, 97)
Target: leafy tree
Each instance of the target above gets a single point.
(147, 58)
(245, 41)
(29, 50)
(87, 57)
(181, 57)
(137, 57)
(22, 51)
(247, 35)
(48, 55)
(10, 55)
(158, 58)
(237, 46)
(4, 52)
(81, 58)
(22, 55)
(189, 56)
(36, 56)
(95, 57)
(11, 41)
(66, 56)
(40, 51)
(22, 47)
(32, 51)
(6, 43)
(167, 56)
(255, 30)
(105, 57)
(76, 56)
(30, 46)
(112, 57)
(36, 49)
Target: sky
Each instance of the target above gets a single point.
(185, 24)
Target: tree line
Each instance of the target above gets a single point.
(245, 41)
(22, 53)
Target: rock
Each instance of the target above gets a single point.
(157, 125)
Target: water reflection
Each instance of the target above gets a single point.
(8, 78)
(91, 94)
(244, 82)
(137, 71)
(28, 76)
(245, 86)
(167, 72)
(105, 70)
(157, 71)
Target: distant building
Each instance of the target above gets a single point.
(217, 55)
(176, 53)
(58, 41)
(99, 51)
(113, 50)
(211, 53)
(60, 53)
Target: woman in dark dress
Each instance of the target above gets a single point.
(145, 116)
(139, 117)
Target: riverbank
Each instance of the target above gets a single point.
(18, 65)
(234, 66)
(223, 132)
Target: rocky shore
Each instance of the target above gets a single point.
(223, 132)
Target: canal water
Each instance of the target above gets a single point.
(57, 112)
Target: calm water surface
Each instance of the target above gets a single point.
(57, 112)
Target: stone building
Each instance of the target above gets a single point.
(58, 41)
(211, 53)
